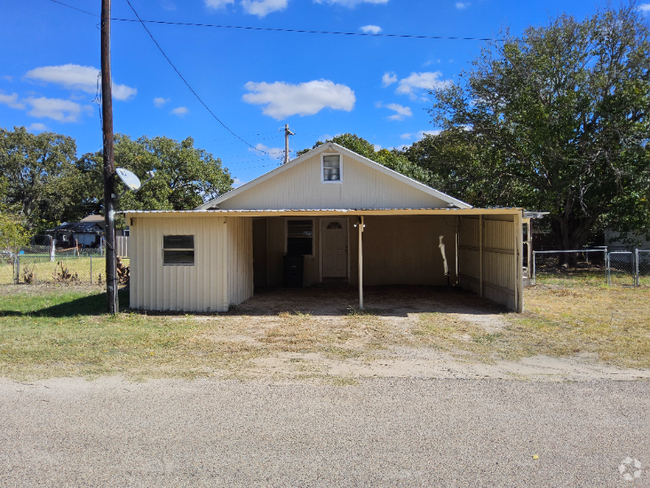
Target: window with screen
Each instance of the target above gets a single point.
(332, 168)
(178, 250)
(300, 237)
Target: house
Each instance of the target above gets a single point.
(86, 233)
(329, 215)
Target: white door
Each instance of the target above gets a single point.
(335, 248)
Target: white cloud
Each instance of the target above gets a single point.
(180, 111)
(37, 127)
(462, 5)
(283, 99)
(261, 8)
(56, 109)
(160, 101)
(273, 152)
(420, 81)
(350, 3)
(644, 7)
(76, 77)
(236, 182)
(217, 4)
(370, 29)
(12, 101)
(420, 135)
(8, 78)
(401, 112)
(388, 79)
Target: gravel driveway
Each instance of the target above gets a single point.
(381, 432)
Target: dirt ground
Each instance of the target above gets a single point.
(290, 314)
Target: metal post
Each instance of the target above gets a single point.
(480, 255)
(636, 267)
(287, 133)
(109, 165)
(534, 275)
(609, 276)
(17, 261)
(361, 225)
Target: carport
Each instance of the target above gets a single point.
(340, 218)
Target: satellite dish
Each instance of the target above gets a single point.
(128, 178)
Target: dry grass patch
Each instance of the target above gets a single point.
(49, 332)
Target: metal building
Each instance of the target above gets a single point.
(338, 217)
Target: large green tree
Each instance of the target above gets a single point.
(557, 120)
(39, 180)
(185, 176)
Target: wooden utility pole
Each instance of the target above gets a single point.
(287, 133)
(112, 302)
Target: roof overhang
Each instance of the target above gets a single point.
(322, 212)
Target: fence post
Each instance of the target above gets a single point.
(17, 260)
(609, 277)
(636, 266)
(534, 275)
(91, 270)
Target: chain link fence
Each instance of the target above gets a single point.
(642, 267)
(622, 268)
(65, 269)
(585, 264)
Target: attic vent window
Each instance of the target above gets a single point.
(332, 168)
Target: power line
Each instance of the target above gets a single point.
(294, 31)
(187, 84)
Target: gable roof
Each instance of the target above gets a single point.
(449, 200)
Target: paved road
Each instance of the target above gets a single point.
(384, 432)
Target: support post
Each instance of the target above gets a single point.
(361, 225)
(109, 165)
(480, 255)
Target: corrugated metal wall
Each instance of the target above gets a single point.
(490, 258)
(203, 287)
(468, 253)
(240, 259)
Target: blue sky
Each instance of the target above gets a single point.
(253, 81)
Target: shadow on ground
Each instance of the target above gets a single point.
(378, 300)
(89, 305)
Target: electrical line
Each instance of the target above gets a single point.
(295, 31)
(187, 84)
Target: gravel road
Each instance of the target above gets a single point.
(381, 432)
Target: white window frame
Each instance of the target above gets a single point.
(286, 235)
(193, 249)
(322, 168)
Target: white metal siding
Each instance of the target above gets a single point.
(362, 187)
(468, 253)
(198, 288)
(240, 259)
(490, 256)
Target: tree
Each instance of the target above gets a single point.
(561, 114)
(393, 159)
(13, 234)
(185, 176)
(39, 177)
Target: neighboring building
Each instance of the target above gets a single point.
(83, 234)
(353, 220)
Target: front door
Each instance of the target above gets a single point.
(335, 248)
